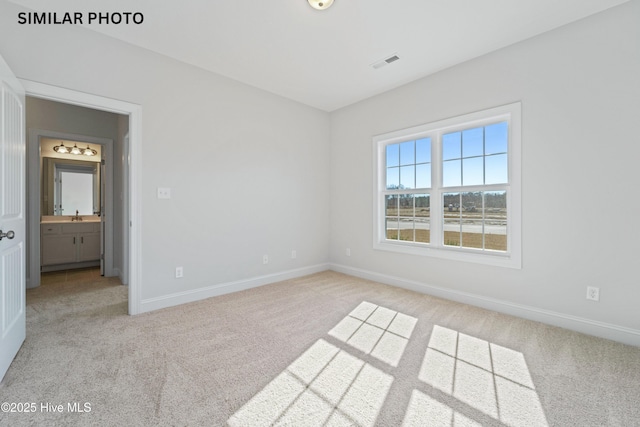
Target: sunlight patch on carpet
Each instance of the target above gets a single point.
(487, 377)
(328, 386)
(425, 410)
(324, 386)
(331, 386)
(379, 331)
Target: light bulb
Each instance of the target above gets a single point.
(320, 4)
(60, 148)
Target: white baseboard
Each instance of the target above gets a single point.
(591, 327)
(225, 288)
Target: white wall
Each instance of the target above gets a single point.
(580, 93)
(248, 170)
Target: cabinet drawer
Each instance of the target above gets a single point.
(50, 228)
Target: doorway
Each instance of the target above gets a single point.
(97, 214)
(130, 231)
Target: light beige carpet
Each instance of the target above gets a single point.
(326, 349)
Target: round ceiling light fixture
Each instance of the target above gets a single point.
(320, 4)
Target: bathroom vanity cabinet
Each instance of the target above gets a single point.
(69, 243)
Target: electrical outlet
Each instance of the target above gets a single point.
(348, 251)
(593, 293)
(265, 259)
(179, 272)
(294, 254)
(164, 193)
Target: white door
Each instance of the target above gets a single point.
(12, 217)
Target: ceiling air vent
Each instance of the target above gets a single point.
(382, 63)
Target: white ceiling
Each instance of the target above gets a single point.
(323, 58)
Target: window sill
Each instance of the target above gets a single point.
(497, 259)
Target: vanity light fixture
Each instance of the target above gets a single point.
(320, 4)
(62, 149)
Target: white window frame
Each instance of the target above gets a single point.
(512, 258)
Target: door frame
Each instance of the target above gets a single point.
(33, 201)
(133, 232)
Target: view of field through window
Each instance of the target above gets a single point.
(474, 164)
(476, 220)
(408, 217)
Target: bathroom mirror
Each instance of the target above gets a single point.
(70, 185)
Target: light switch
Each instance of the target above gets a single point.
(164, 193)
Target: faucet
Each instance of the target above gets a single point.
(76, 218)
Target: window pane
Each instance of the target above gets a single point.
(451, 173)
(406, 231)
(422, 205)
(451, 146)
(451, 202)
(471, 220)
(392, 228)
(422, 209)
(451, 214)
(393, 155)
(391, 223)
(407, 153)
(393, 178)
(406, 204)
(423, 176)
(407, 177)
(472, 171)
(423, 150)
(472, 142)
(391, 205)
(496, 169)
(472, 203)
(495, 220)
(496, 137)
(405, 225)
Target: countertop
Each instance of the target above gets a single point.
(49, 219)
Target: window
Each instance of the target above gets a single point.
(451, 189)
